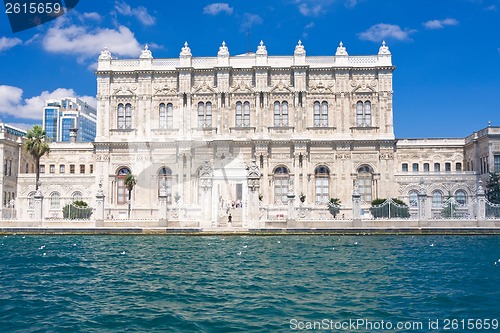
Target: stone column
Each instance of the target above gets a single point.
(291, 206)
(99, 211)
(253, 181)
(38, 201)
(423, 217)
(480, 205)
(163, 205)
(356, 206)
(206, 182)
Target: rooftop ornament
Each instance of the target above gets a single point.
(186, 51)
(261, 49)
(146, 53)
(384, 49)
(299, 49)
(105, 54)
(223, 50)
(341, 50)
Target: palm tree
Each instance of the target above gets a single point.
(36, 145)
(130, 182)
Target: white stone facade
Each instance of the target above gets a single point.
(189, 129)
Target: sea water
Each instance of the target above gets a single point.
(249, 284)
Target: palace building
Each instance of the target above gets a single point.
(261, 138)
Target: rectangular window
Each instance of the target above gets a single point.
(62, 168)
(437, 167)
(458, 167)
(72, 168)
(426, 167)
(496, 162)
(447, 167)
(42, 168)
(52, 168)
(82, 168)
(91, 168)
(415, 167)
(404, 167)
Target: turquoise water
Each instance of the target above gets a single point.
(248, 284)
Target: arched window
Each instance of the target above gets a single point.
(121, 116)
(281, 114)
(55, 200)
(277, 114)
(461, 197)
(239, 114)
(121, 188)
(317, 114)
(364, 179)
(281, 181)
(128, 115)
(322, 176)
(170, 115)
(165, 182)
(204, 114)
(437, 167)
(163, 116)
(320, 114)
(363, 114)
(246, 114)
(76, 196)
(437, 199)
(413, 198)
(208, 114)
(284, 112)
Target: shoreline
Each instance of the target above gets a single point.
(139, 231)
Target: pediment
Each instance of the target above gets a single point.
(280, 87)
(204, 88)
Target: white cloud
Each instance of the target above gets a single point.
(491, 8)
(314, 7)
(92, 16)
(307, 27)
(217, 8)
(250, 20)
(440, 24)
(308, 10)
(381, 31)
(140, 13)
(85, 43)
(12, 103)
(8, 43)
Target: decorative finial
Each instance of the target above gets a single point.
(341, 50)
(384, 49)
(105, 54)
(261, 49)
(146, 53)
(185, 51)
(223, 50)
(299, 49)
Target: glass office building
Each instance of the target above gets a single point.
(61, 115)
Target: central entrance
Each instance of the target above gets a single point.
(229, 195)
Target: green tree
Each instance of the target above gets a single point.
(334, 206)
(493, 194)
(77, 210)
(36, 145)
(450, 208)
(389, 208)
(130, 182)
(493, 188)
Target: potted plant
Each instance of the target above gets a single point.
(334, 206)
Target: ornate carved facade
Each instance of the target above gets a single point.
(251, 132)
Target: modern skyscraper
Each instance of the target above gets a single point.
(61, 115)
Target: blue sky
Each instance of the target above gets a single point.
(446, 52)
